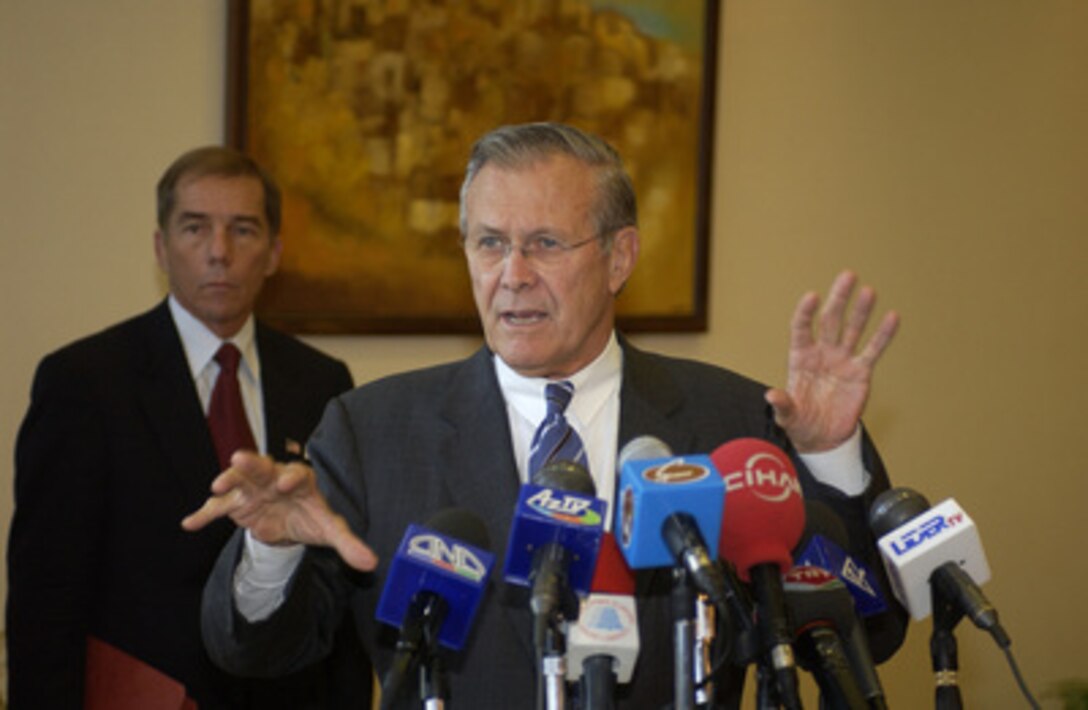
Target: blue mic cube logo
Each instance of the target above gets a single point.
(565, 507)
(427, 561)
(926, 530)
(550, 515)
(458, 558)
(652, 490)
(858, 579)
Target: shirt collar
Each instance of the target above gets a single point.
(593, 385)
(201, 344)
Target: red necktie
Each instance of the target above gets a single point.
(226, 413)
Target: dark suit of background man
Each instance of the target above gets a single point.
(548, 223)
(115, 448)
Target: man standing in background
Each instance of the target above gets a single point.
(125, 430)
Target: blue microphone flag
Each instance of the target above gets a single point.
(650, 490)
(428, 561)
(551, 515)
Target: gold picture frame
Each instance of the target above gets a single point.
(365, 112)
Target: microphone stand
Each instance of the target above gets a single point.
(551, 684)
(774, 633)
(418, 645)
(433, 683)
(704, 641)
(683, 640)
(766, 687)
(598, 683)
(551, 603)
(943, 651)
(839, 689)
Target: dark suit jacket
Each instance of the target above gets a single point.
(396, 451)
(113, 453)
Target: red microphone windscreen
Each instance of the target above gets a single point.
(612, 575)
(764, 512)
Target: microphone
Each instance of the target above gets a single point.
(824, 545)
(555, 536)
(603, 645)
(765, 521)
(553, 546)
(433, 590)
(669, 512)
(933, 548)
(823, 613)
(668, 507)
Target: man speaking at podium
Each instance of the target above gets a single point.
(550, 236)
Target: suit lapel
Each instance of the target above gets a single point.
(277, 390)
(485, 477)
(484, 473)
(172, 407)
(651, 403)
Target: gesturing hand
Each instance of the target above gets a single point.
(827, 384)
(279, 504)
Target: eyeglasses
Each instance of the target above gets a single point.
(489, 250)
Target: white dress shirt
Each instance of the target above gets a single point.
(201, 345)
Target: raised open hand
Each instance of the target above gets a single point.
(828, 379)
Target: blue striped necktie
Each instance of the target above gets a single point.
(556, 439)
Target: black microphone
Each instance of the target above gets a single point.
(825, 544)
(554, 541)
(549, 580)
(824, 547)
(824, 619)
(434, 587)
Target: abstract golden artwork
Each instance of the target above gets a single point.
(365, 112)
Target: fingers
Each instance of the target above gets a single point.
(350, 548)
(294, 477)
(249, 472)
(889, 324)
(246, 468)
(838, 328)
(279, 503)
(859, 317)
(837, 298)
(801, 326)
(214, 508)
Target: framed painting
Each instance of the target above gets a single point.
(365, 112)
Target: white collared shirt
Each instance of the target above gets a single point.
(594, 413)
(201, 344)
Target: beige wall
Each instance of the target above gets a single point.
(939, 147)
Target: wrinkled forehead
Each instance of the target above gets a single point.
(555, 191)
